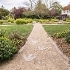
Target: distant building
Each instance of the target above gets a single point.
(65, 12)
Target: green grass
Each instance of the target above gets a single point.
(24, 30)
(52, 29)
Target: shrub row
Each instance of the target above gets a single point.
(48, 20)
(2, 21)
(23, 21)
(6, 21)
(61, 34)
(64, 34)
(11, 20)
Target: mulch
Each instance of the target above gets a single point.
(63, 46)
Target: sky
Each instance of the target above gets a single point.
(9, 4)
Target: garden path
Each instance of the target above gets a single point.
(39, 53)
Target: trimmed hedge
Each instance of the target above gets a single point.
(43, 20)
(11, 20)
(23, 21)
(2, 21)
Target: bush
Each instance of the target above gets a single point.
(68, 37)
(54, 20)
(68, 20)
(7, 49)
(2, 21)
(43, 20)
(61, 34)
(11, 20)
(37, 20)
(17, 39)
(23, 21)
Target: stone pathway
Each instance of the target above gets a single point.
(39, 53)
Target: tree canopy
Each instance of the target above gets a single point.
(3, 13)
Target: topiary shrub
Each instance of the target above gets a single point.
(67, 37)
(7, 49)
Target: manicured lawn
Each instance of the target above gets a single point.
(24, 30)
(52, 29)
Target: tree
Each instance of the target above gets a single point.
(3, 13)
(40, 9)
(18, 13)
(55, 9)
(49, 3)
(31, 4)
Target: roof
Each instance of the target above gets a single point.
(67, 7)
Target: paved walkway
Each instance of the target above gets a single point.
(39, 53)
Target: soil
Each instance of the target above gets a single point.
(63, 46)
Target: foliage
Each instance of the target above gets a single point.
(43, 20)
(54, 20)
(18, 13)
(11, 20)
(60, 35)
(68, 37)
(2, 21)
(23, 21)
(48, 20)
(11, 39)
(7, 49)
(40, 10)
(55, 9)
(3, 13)
(67, 19)
(17, 39)
(37, 20)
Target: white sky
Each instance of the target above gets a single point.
(9, 4)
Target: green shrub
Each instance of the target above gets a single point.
(67, 20)
(7, 49)
(17, 39)
(11, 20)
(23, 21)
(68, 37)
(54, 20)
(61, 34)
(43, 20)
(2, 21)
(37, 20)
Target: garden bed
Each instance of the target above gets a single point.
(63, 45)
(12, 38)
